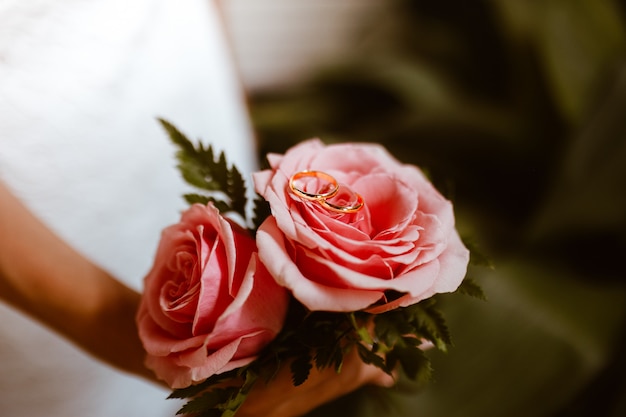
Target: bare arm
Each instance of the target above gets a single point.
(45, 278)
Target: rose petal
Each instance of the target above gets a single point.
(313, 295)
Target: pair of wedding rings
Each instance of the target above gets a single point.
(324, 189)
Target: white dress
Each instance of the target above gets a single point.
(81, 83)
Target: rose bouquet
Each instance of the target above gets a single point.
(344, 253)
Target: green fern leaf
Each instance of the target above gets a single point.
(432, 323)
(471, 288)
(261, 211)
(200, 169)
(300, 369)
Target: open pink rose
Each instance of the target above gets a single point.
(399, 249)
(209, 306)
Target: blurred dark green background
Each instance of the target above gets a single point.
(517, 111)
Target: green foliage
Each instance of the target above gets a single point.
(430, 322)
(194, 390)
(471, 288)
(370, 357)
(389, 341)
(322, 339)
(261, 211)
(300, 369)
(412, 359)
(192, 198)
(478, 256)
(423, 320)
(222, 184)
(209, 401)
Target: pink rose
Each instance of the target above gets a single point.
(399, 249)
(209, 306)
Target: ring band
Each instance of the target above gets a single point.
(313, 196)
(355, 200)
(344, 209)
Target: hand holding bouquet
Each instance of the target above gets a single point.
(342, 267)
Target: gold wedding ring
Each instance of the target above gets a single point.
(354, 205)
(323, 192)
(328, 192)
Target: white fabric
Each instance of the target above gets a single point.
(81, 82)
(279, 43)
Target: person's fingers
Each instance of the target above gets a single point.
(376, 376)
(279, 398)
